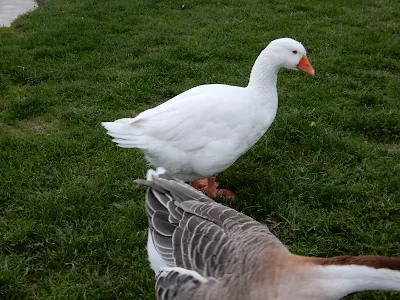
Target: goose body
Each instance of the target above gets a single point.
(204, 130)
(200, 249)
(188, 135)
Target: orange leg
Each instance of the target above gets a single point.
(209, 187)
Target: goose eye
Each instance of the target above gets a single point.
(294, 51)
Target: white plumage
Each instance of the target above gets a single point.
(204, 130)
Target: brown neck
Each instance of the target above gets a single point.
(337, 277)
(377, 262)
(312, 278)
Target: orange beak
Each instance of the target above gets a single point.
(305, 66)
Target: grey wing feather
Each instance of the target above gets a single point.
(202, 235)
(160, 223)
(180, 284)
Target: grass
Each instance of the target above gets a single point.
(325, 178)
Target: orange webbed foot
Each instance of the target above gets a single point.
(209, 187)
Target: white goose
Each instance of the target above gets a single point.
(202, 250)
(204, 130)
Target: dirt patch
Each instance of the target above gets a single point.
(32, 126)
(393, 148)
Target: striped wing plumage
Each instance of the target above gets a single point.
(192, 232)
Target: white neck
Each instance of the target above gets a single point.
(337, 281)
(264, 73)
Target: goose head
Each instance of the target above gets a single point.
(290, 54)
(281, 53)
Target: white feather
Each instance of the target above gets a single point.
(155, 259)
(204, 130)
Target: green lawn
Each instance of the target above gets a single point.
(325, 178)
